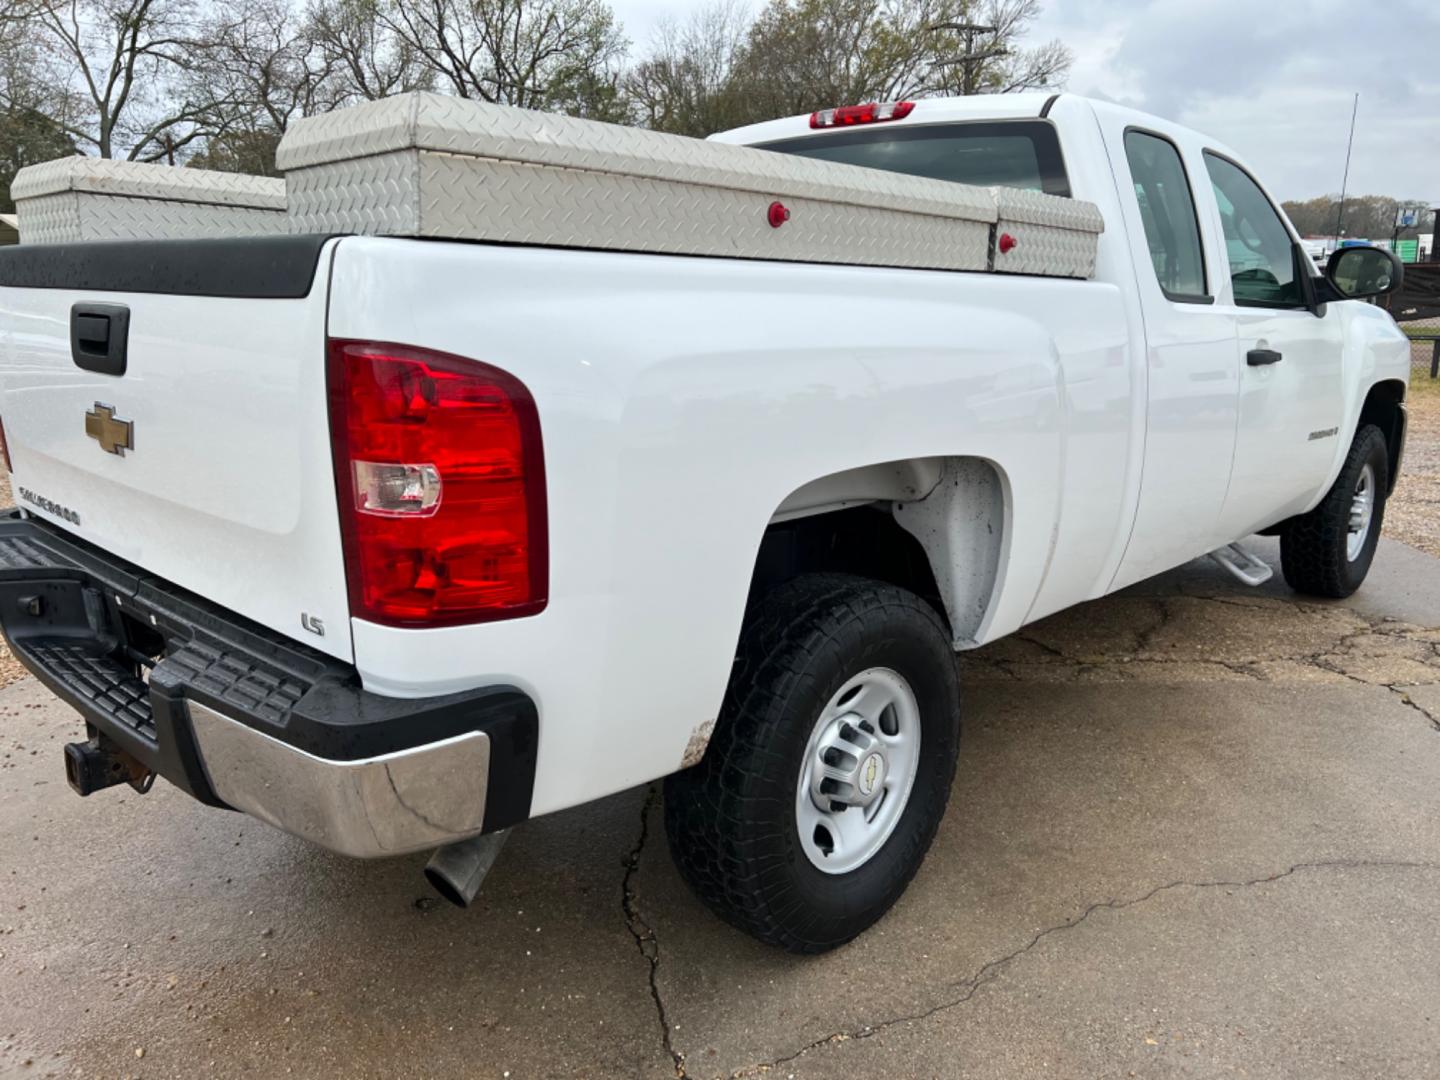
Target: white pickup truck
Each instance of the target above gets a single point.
(396, 541)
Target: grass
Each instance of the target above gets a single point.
(1423, 388)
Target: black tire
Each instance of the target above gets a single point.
(731, 820)
(1314, 547)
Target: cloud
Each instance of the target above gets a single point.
(1274, 81)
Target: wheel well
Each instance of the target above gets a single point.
(1384, 407)
(862, 540)
(934, 526)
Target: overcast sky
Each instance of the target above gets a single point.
(1273, 79)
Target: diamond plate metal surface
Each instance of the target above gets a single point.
(48, 219)
(1036, 208)
(418, 193)
(148, 181)
(81, 215)
(1046, 251)
(1053, 237)
(92, 199)
(429, 165)
(426, 121)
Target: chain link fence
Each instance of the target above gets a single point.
(1424, 347)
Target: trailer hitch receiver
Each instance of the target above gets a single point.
(98, 764)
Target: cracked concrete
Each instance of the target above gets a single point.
(1193, 832)
(645, 939)
(993, 969)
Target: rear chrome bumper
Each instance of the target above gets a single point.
(412, 800)
(241, 717)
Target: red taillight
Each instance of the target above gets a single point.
(5, 448)
(441, 482)
(873, 113)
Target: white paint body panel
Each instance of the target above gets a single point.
(685, 401)
(672, 436)
(229, 491)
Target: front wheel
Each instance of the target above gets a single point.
(1328, 551)
(830, 766)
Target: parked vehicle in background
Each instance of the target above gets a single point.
(395, 542)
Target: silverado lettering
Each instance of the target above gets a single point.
(62, 512)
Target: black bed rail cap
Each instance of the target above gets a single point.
(244, 267)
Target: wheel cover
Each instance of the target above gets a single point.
(858, 771)
(1362, 513)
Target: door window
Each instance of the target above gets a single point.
(1263, 268)
(1167, 209)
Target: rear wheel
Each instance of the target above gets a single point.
(830, 766)
(1328, 551)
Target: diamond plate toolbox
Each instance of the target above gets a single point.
(427, 165)
(1049, 236)
(80, 198)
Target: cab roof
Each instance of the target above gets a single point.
(926, 111)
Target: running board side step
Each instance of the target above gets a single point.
(1245, 566)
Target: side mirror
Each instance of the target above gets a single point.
(1359, 272)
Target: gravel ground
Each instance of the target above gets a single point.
(10, 669)
(1413, 514)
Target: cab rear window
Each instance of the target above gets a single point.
(1022, 154)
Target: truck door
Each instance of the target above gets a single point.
(1289, 359)
(1192, 382)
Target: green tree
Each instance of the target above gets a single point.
(801, 55)
(27, 137)
(249, 152)
(1369, 217)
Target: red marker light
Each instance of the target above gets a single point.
(1007, 243)
(777, 215)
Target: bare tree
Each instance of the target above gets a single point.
(367, 61)
(258, 64)
(540, 54)
(253, 70)
(684, 83)
(977, 52)
(116, 68)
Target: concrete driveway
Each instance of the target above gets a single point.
(1196, 832)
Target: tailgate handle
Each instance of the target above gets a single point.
(99, 334)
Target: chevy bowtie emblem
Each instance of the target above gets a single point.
(114, 436)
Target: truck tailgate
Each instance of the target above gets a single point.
(226, 486)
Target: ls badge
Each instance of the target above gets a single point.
(114, 436)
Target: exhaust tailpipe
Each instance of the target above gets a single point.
(456, 871)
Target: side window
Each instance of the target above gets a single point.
(1167, 208)
(1258, 247)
